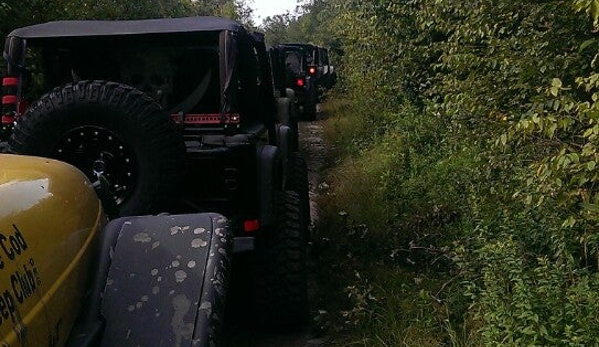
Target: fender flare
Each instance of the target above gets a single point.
(294, 118)
(284, 110)
(270, 179)
(153, 270)
(284, 141)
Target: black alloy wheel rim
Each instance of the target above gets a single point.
(94, 150)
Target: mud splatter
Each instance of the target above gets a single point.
(197, 243)
(181, 330)
(142, 237)
(180, 276)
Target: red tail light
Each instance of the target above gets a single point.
(300, 82)
(10, 81)
(7, 119)
(10, 100)
(10, 105)
(312, 70)
(251, 225)
(22, 106)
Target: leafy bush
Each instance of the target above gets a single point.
(477, 133)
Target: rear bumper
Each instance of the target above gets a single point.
(243, 244)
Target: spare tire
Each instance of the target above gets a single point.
(113, 129)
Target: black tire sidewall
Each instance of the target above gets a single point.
(281, 294)
(299, 183)
(138, 122)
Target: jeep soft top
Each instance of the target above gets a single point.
(205, 54)
(86, 28)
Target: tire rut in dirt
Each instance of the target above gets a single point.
(120, 125)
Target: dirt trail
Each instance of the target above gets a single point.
(314, 150)
(239, 333)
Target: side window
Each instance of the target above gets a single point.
(309, 56)
(325, 56)
(258, 77)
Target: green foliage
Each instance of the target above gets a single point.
(309, 23)
(278, 30)
(237, 10)
(531, 302)
(476, 126)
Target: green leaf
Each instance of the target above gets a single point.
(585, 44)
(569, 222)
(591, 207)
(556, 82)
(594, 11)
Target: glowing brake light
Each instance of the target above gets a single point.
(300, 82)
(312, 70)
(251, 225)
(7, 119)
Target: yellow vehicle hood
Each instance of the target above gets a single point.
(49, 216)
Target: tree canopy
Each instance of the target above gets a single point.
(18, 13)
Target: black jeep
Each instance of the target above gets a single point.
(327, 76)
(168, 115)
(299, 74)
(306, 69)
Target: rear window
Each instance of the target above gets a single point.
(172, 73)
(293, 62)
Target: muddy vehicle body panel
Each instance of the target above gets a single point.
(68, 277)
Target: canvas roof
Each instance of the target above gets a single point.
(78, 28)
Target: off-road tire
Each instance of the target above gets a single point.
(146, 133)
(297, 181)
(281, 289)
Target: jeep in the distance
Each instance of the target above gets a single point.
(300, 76)
(168, 115)
(327, 76)
(304, 68)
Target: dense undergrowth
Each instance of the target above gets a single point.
(461, 208)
